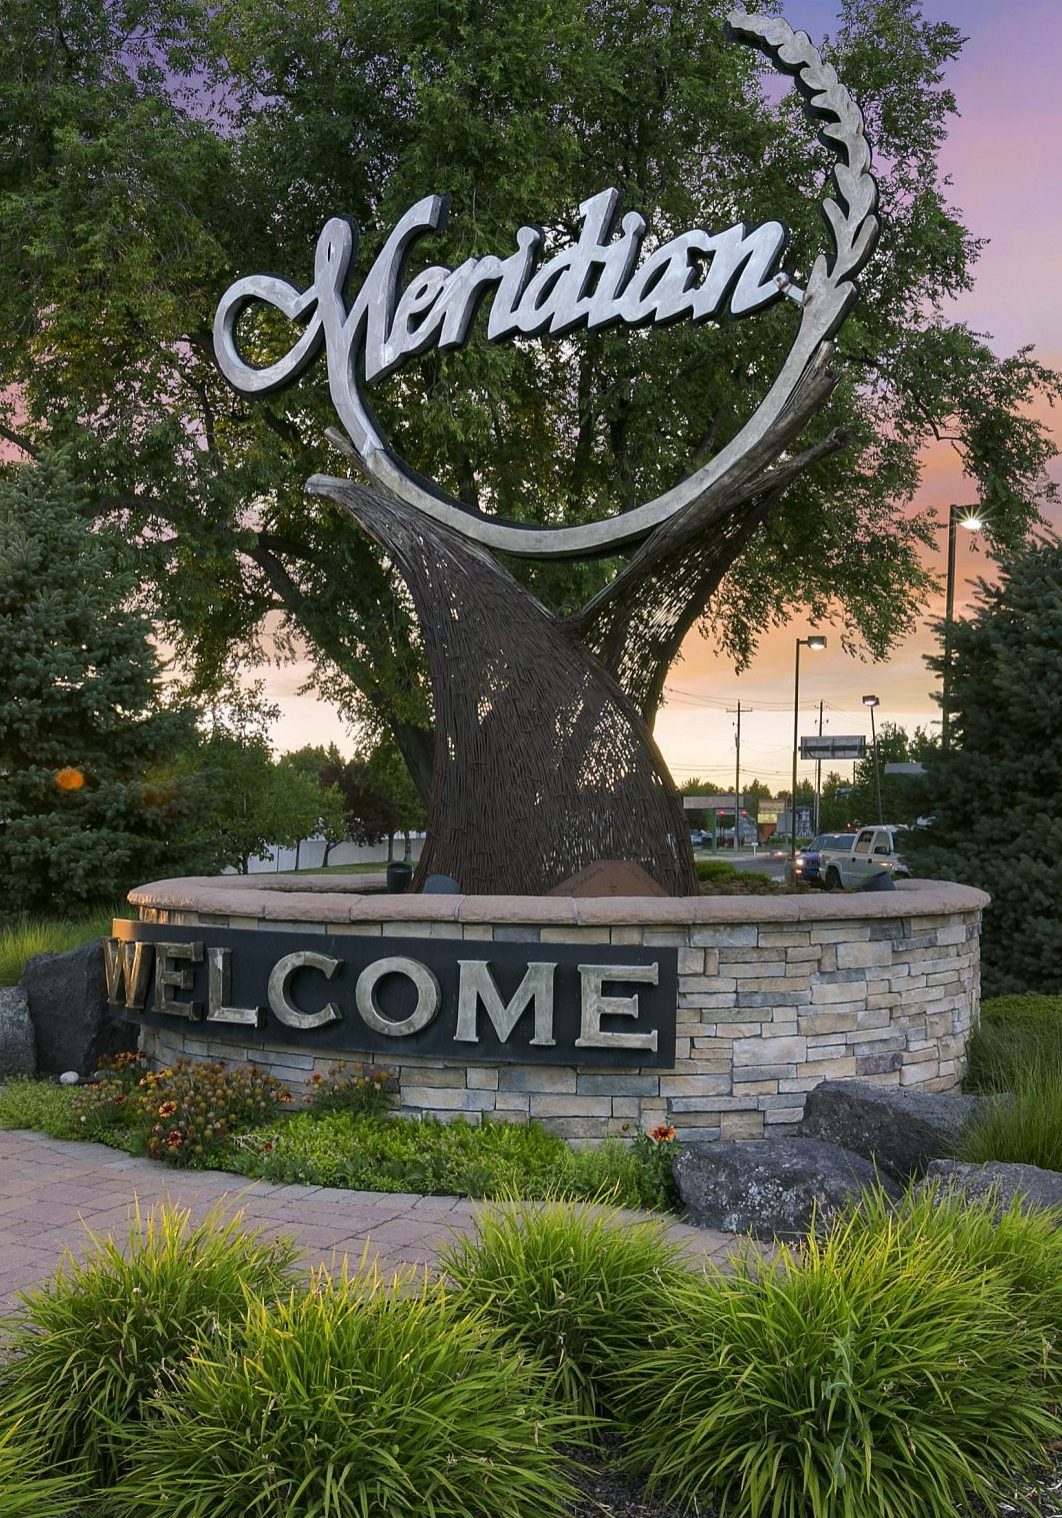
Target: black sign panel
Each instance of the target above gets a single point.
(571, 1004)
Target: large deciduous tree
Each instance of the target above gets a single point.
(995, 796)
(150, 155)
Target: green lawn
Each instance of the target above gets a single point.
(21, 938)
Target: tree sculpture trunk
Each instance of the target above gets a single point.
(542, 764)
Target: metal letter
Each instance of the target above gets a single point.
(166, 977)
(279, 990)
(477, 985)
(126, 969)
(367, 342)
(428, 996)
(742, 271)
(596, 1006)
(219, 981)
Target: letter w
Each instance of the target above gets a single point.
(477, 985)
(126, 967)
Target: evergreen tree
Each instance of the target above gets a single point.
(995, 797)
(89, 800)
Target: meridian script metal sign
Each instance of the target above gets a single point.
(501, 1003)
(543, 762)
(598, 282)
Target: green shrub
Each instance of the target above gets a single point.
(24, 1493)
(716, 869)
(364, 1090)
(400, 1154)
(875, 1373)
(577, 1291)
(1017, 1034)
(486, 1159)
(1024, 1129)
(40, 1106)
(24, 937)
(352, 1400)
(90, 1347)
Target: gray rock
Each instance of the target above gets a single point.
(18, 1049)
(902, 1131)
(69, 1078)
(73, 1024)
(772, 1188)
(1037, 1188)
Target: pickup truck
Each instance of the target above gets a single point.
(870, 852)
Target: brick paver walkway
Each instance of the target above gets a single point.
(49, 1187)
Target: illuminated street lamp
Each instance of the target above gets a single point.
(872, 702)
(958, 516)
(817, 642)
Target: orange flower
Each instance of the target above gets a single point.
(167, 1109)
(663, 1134)
(69, 778)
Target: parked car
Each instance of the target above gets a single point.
(808, 861)
(698, 837)
(864, 855)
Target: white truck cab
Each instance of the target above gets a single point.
(872, 851)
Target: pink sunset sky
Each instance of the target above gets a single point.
(1002, 154)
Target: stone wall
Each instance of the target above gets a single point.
(775, 994)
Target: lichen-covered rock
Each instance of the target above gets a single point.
(902, 1131)
(18, 1050)
(73, 1024)
(772, 1188)
(1037, 1188)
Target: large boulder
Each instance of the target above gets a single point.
(73, 1024)
(901, 1131)
(18, 1050)
(1037, 1188)
(773, 1188)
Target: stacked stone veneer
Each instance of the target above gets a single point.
(775, 994)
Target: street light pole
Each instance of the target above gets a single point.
(872, 702)
(817, 642)
(958, 516)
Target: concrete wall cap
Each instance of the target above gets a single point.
(330, 898)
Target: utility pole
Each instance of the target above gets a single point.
(818, 777)
(737, 775)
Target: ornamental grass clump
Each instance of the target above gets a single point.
(578, 1291)
(355, 1399)
(1017, 1035)
(1023, 1249)
(88, 1349)
(1022, 1128)
(879, 1373)
(24, 1492)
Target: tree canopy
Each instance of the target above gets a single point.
(995, 796)
(150, 155)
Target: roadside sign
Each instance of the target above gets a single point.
(833, 746)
